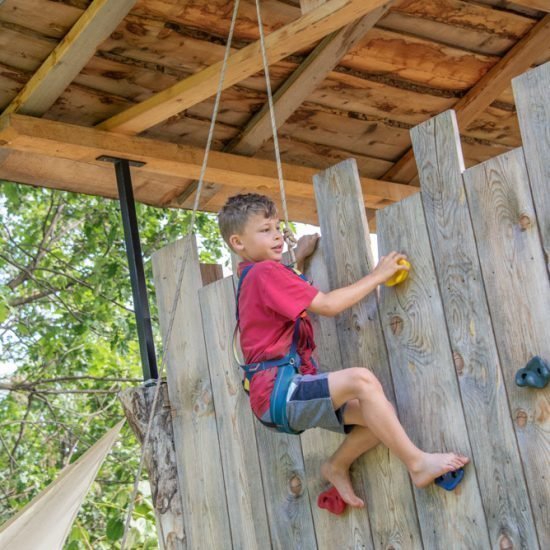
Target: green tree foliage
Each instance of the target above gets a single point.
(67, 325)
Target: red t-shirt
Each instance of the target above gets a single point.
(272, 298)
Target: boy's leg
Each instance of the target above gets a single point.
(336, 468)
(377, 413)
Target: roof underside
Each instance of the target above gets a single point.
(419, 59)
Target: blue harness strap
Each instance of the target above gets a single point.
(287, 368)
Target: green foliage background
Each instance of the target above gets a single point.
(67, 324)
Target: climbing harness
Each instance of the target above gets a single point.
(287, 367)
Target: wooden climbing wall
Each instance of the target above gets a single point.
(445, 344)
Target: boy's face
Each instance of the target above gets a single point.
(261, 239)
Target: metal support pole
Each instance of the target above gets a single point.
(135, 261)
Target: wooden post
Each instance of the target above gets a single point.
(160, 460)
(318, 445)
(200, 473)
(516, 282)
(471, 336)
(346, 247)
(425, 380)
(531, 92)
(239, 451)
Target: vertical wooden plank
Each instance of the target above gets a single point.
(211, 273)
(195, 434)
(438, 154)
(532, 95)
(518, 293)
(425, 381)
(286, 494)
(241, 466)
(346, 247)
(285, 488)
(351, 530)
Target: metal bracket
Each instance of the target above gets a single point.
(135, 262)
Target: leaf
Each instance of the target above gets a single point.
(115, 529)
(4, 311)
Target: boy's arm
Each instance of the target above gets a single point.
(334, 302)
(304, 248)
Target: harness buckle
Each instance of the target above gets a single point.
(252, 368)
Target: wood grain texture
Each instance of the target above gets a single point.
(195, 433)
(542, 5)
(426, 388)
(75, 143)
(346, 248)
(486, 90)
(532, 94)
(211, 273)
(351, 530)
(518, 292)
(247, 61)
(288, 97)
(285, 488)
(70, 56)
(496, 457)
(241, 465)
(160, 460)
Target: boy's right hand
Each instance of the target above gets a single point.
(389, 265)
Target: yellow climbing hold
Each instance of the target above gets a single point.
(399, 276)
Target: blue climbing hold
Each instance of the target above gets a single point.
(536, 374)
(450, 480)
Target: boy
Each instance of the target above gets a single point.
(349, 401)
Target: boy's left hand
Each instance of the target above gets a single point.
(306, 246)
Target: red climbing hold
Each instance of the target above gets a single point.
(331, 501)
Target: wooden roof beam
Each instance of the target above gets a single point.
(308, 5)
(51, 139)
(303, 81)
(488, 88)
(541, 5)
(281, 43)
(70, 56)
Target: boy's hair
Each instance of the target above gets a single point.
(237, 210)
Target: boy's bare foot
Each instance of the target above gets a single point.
(339, 477)
(433, 465)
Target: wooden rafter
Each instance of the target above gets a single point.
(69, 56)
(76, 144)
(308, 5)
(279, 44)
(292, 93)
(489, 87)
(542, 5)
(304, 80)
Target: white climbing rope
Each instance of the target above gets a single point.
(289, 235)
(181, 272)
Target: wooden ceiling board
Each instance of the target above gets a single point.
(31, 15)
(23, 51)
(419, 61)
(320, 157)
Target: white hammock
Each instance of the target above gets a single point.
(46, 521)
